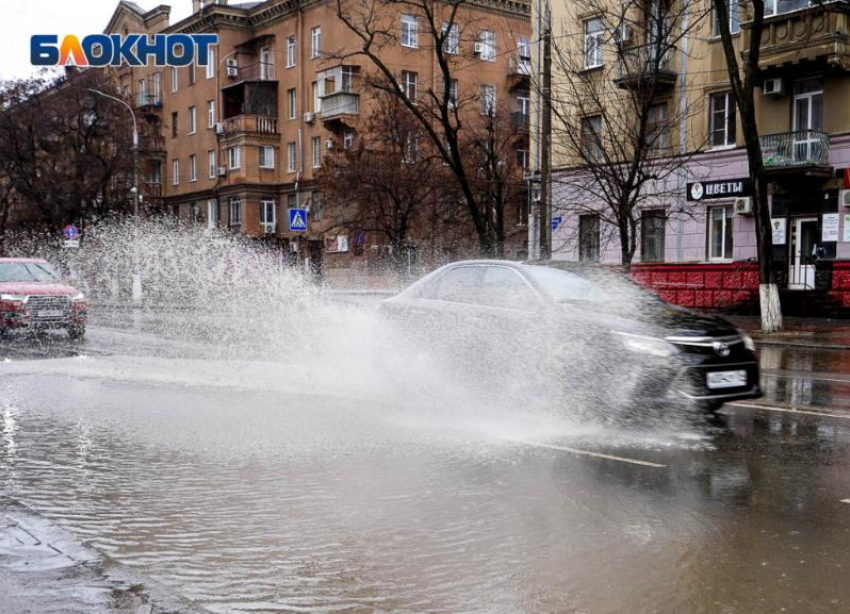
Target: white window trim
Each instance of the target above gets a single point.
(315, 42)
(488, 38)
(482, 109)
(211, 64)
(291, 155)
(728, 99)
(237, 157)
(193, 168)
(598, 37)
(193, 120)
(729, 227)
(451, 44)
(175, 79)
(412, 41)
(212, 214)
(292, 101)
(212, 163)
(317, 152)
(175, 172)
(269, 155)
(210, 114)
(291, 51)
(230, 221)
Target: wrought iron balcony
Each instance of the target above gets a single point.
(147, 99)
(795, 149)
(339, 104)
(641, 65)
(258, 71)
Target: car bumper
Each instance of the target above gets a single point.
(22, 320)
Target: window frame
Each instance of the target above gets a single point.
(264, 210)
(234, 157)
(487, 109)
(193, 168)
(409, 31)
(593, 43)
(488, 39)
(212, 214)
(193, 120)
(292, 102)
(175, 171)
(451, 40)
(234, 205)
(409, 80)
(730, 120)
(210, 67)
(211, 114)
(291, 157)
(734, 7)
(593, 252)
(291, 51)
(595, 133)
(175, 80)
(212, 163)
(316, 151)
(266, 153)
(727, 233)
(645, 216)
(315, 42)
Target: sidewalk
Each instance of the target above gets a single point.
(800, 332)
(44, 569)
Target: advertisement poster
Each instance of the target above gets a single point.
(829, 230)
(779, 225)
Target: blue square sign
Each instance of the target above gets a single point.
(297, 219)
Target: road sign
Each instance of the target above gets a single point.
(71, 232)
(72, 243)
(556, 221)
(297, 219)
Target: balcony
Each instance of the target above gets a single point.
(153, 189)
(152, 144)
(340, 104)
(519, 120)
(258, 71)
(254, 124)
(148, 100)
(639, 67)
(806, 151)
(519, 72)
(814, 33)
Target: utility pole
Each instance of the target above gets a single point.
(545, 137)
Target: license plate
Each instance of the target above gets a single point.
(726, 379)
(49, 313)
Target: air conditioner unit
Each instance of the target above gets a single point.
(329, 144)
(232, 72)
(309, 118)
(773, 87)
(743, 205)
(268, 227)
(222, 171)
(846, 199)
(219, 128)
(478, 48)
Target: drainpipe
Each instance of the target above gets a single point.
(681, 177)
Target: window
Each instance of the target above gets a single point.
(522, 158)
(451, 38)
(523, 104)
(175, 172)
(593, 36)
(192, 73)
(234, 157)
(348, 139)
(290, 52)
(210, 70)
(488, 99)
(155, 173)
(411, 148)
(317, 98)
(143, 91)
(292, 201)
(193, 117)
(315, 41)
(588, 238)
(194, 213)
(211, 162)
(212, 214)
(408, 84)
(235, 217)
(720, 233)
(174, 125)
(504, 288)
(658, 128)
(778, 7)
(266, 156)
(734, 18)
(591, 138)
(452, 92)
(292, 160)
(316, 207)
(268, 212)
(523, 48)
(316, 145)
(175, 80)
(293, 102)
(652, 225)
(266, 65)
(722, 119)
(156, 85)
(488, 42)
(193, 168)
(460, 285)
(210, 114)
(409, 31)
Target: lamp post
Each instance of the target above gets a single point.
(137, 276)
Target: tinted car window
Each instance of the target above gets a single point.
(460, 285)
(27, 271)
(565, 286)
(504, 287)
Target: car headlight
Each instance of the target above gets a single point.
(646, 345)
(79, 296)
(13, 297)
(748, 341)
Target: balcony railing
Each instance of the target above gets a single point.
(146, 99)
(519, 119)
(152, 143)
(258, 71)
(793, 149)
(153, 189)
(641, 64)
(340, 103)
(251, 123)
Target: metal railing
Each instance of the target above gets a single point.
(642, 62)
(258, 71)
(340, 103)
(251, 123)
(789, 149)
(147, 99)
(519, 119)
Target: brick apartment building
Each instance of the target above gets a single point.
(705, 256)
(237, 143)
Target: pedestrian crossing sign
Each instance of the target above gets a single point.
(298, 219)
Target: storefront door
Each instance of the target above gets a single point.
(801, 274)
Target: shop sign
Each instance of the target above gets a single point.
(725, 188)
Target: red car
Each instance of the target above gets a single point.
(33, 296)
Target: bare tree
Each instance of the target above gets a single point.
(442, 113)
(743, 80)
(613, 122)
(64, 154)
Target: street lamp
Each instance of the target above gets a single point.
(137, 276)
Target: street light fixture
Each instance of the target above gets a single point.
(137, 276)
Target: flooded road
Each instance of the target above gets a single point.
(243, 486)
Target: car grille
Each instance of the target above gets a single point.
(47, 308)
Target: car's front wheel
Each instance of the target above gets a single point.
(76, 332)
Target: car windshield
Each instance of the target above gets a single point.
(609, 291)
(27, 271)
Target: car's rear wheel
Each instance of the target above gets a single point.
(76, 332)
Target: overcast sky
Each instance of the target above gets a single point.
(23, 18)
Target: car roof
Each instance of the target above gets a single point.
(39, 260)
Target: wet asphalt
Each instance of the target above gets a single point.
(238, 486)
